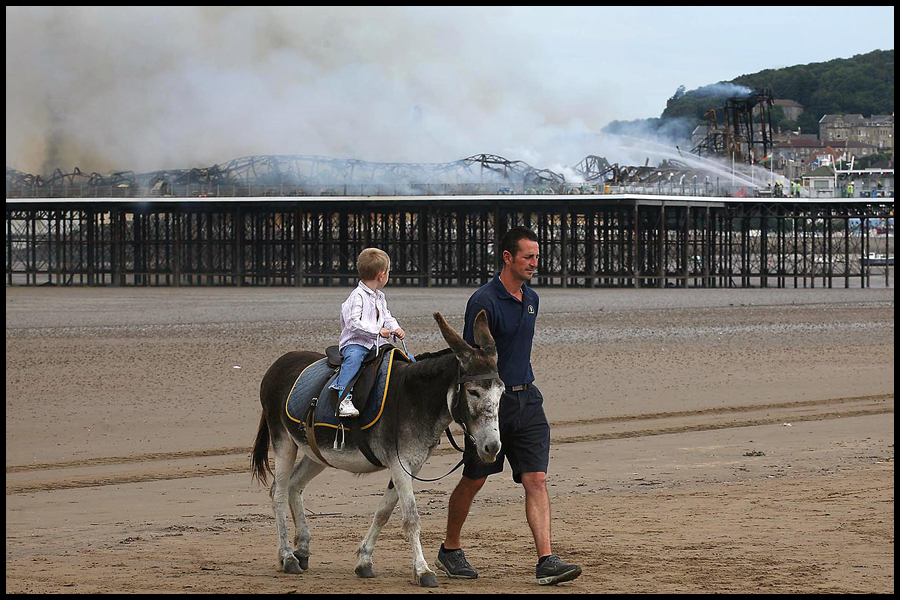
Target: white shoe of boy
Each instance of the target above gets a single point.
(346, 409)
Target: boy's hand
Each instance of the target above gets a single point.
(399, 333)
(385, 333)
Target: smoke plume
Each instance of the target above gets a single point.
(150, 88)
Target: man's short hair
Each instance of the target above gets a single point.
(510, 242)
(371, 262)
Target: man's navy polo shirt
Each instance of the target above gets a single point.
(511, 323)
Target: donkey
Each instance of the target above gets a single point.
(457, 384)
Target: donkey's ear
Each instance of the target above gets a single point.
(460, 348)
(482, 333)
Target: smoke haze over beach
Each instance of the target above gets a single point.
(148, 88)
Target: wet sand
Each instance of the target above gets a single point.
(702, 440)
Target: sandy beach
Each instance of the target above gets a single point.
(702, 441)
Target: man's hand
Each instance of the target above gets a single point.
(385, 333)
(399, 333)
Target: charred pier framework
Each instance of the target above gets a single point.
(591, 241)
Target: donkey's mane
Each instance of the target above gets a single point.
(433, 354)
(429, 364)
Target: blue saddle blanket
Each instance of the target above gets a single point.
(313, 382)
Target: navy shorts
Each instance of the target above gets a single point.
(524, 437)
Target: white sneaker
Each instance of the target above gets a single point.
(346, 409)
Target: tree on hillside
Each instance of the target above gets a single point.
(862, 84)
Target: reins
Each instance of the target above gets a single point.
(454, 411)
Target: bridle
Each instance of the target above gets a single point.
(459, 411)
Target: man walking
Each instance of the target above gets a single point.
(511, 308)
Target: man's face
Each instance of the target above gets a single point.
(523, 265)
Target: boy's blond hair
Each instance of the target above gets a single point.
(371, 262)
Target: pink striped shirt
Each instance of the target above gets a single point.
(363, 314)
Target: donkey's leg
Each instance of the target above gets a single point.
(305, 470)
(285, 455)
(425, 577)
(382, 514)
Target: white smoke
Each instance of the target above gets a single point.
(723, 89)
(151, 88)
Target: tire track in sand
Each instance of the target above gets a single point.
(45, 476)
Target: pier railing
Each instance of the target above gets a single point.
(589, 241)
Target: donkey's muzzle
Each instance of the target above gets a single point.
(490, 451)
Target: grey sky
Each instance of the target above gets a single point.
(170, 87)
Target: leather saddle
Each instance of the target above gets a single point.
(308, 402)
(361, 387)
(362, 384)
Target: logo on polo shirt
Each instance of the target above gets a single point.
(530, 309)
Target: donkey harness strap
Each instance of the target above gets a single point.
(311, 432)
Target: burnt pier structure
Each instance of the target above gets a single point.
(586, 240)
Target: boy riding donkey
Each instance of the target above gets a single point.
(364, 318)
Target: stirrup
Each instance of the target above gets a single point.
(340, 431)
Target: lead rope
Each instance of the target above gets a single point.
(462, 422)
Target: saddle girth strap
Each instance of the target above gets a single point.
(363, 444)
(311, 431)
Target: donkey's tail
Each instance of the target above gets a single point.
(260, 466)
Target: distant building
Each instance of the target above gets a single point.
(792, 109)
(876, 131)
(799, 154)
(820, 182)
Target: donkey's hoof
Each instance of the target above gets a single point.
(367, 572)
(292, 566)
(303, 560)
(428, 580)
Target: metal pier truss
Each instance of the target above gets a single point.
(277, 176)
(586, 241)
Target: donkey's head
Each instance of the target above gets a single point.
(475, 398)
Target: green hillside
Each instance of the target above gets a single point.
(862, 84)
